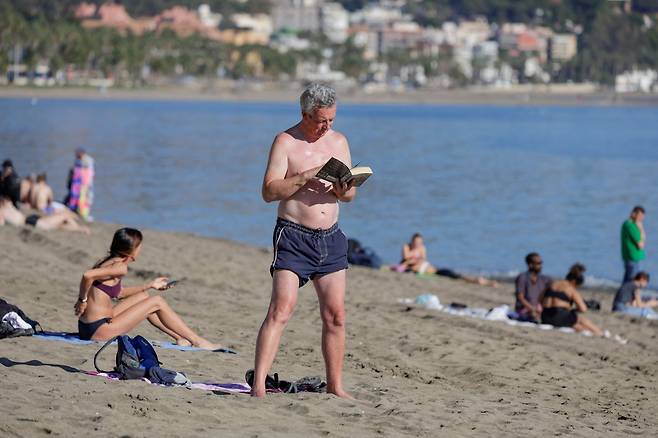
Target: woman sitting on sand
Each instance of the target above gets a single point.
(559, 301)
(414, 259)
(99, 320)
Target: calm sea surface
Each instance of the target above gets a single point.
(483, 184)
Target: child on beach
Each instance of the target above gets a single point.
(99, 320)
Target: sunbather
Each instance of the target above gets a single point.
(55, 221)
(558, 303)
(99, 320)
(414, 259)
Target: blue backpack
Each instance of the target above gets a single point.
(135, 357)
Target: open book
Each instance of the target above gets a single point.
(336, 171)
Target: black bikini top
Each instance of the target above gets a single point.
(559, 295)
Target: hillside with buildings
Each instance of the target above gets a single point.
(385, 45)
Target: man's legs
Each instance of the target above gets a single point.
(285, 285)
(331, 295)
(630, 269)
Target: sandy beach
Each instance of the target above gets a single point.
(415, 372)
(520, 95)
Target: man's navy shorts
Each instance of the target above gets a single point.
(306, 252)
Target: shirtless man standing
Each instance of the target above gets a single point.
(307, 241)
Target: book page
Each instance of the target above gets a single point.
(334, 170)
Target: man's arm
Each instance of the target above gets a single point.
(520, 295)
(636, 233)
(579, 302)
(637, 299)
(276, 186)
(643, 236)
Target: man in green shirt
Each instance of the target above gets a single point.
(633, 239)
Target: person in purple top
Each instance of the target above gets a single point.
(100, 320)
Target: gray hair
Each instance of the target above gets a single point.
(317, 96)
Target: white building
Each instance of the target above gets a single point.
(334, 21)
(637, 81)
(207, 17)
(296, 15)
(260, 24)
(376, 14)
(563, 47)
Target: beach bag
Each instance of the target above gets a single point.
(593, 305)
(362, 256)
(8, 330)
(135, 357)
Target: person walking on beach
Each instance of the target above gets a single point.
(308, 245)
(633, 239)
(530, 286)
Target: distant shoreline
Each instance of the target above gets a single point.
(517, 97)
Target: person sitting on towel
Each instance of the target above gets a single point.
(99, 320)
(558, 303)
(414, 259)
(629, 300)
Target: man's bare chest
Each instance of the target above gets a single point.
(307, 156)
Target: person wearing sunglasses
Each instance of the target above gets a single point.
(530, 286)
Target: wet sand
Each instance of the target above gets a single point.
(415, 372)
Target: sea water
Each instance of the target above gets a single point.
(485, 185)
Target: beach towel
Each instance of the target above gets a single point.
(81, 195)
(217, 388)
(305, 384)
(72, 338)
(500, 313)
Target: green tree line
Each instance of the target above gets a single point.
(611, 41)
(46, 32)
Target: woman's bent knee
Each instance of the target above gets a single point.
(158, 301)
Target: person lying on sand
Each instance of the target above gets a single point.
(56, 221)
(558, 303)
(414, 259)
(99, 320)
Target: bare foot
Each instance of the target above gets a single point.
(486, 282)
(207, 345)
(340, 393)
(183, 342)
(258, 392)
